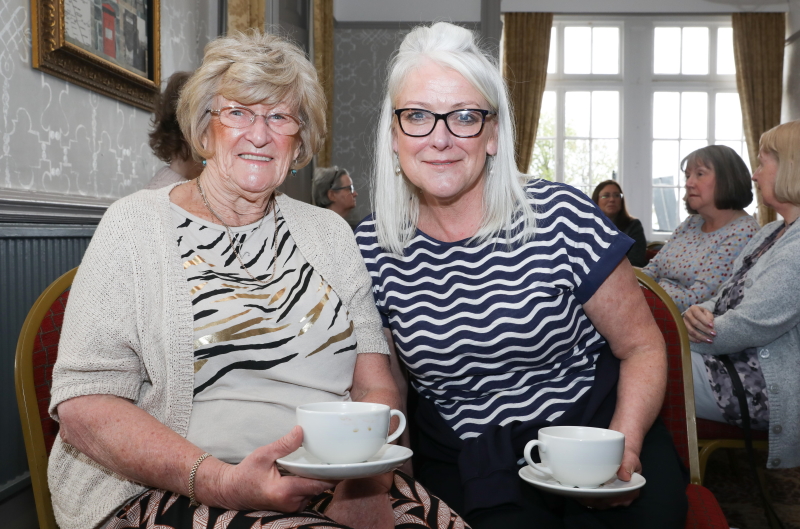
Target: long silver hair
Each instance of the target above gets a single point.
(394, 198)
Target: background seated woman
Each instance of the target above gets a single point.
(509, 299)
(204, 313)
(752, 326)
(608, 196)
(167, 141)
(333, 188)
(699, 255)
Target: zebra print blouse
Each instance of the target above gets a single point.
(493, 333)
(260, 349)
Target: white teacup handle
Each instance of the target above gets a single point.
(542, 449)
(400, 428)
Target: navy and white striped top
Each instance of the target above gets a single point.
(493, 333)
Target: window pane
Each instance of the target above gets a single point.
(605, 114)
(666, 112)
(605, 156)
(725, 62)
(551, 59)
(547, 116)
(576, 163)
(577, 50)
(665, 208)
(695, 51)
(694, 115)
(728, 117)
(605, 50)
(666, 163)
(577, 114)
(543, 160)
(667, 50)
(689, 146)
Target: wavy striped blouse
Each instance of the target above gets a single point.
(260, 349)
(493, 333)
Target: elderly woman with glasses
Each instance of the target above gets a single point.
(509, 300)
(204, 313)
(333, 188)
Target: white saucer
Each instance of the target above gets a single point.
(612, 487)
(301, 463)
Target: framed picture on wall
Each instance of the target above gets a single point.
(109, 46)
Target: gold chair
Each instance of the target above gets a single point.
(678, 412)
(37, 350)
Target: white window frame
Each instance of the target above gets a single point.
(637, 84)
(561, 83)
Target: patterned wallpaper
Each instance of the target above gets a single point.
(360, 57)
(61, 138)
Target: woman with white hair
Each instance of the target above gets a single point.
(509, 300)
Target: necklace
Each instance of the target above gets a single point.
(230, 238)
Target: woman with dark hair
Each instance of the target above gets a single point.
(167, 141)
(699, 256)
(609, 197)
(751, 327)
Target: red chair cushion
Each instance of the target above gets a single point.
(673, 411)
(45, 352)
(704, 510)
(717, 430)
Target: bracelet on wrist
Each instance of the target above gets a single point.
(192, 474)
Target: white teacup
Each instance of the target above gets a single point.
(346, 432)
(578, 456)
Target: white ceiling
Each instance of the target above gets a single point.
(470, 10)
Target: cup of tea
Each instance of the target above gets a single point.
(577, 456)
(346, 432)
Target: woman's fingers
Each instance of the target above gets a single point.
(285, 445)
(630, 464)
(700, 324)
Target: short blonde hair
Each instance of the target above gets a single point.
(783, 142)
(253, 68)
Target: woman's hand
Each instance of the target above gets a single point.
(630, 464)
(700, 324)
(363, 503)
(255, 483)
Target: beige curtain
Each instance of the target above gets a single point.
(758, 42)
(323, 60)
(245, 14)
(526, 48)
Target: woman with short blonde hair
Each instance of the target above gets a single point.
(204, 313)
(751, 327)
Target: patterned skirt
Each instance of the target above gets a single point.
(414, 508)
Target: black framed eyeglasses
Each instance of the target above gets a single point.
(237, 117)
(611, 195)
(463, 123)
(351, 187)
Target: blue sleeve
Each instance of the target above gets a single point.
(589, 243)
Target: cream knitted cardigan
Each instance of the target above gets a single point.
(128, 331)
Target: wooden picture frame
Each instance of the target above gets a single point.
(110, 46)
